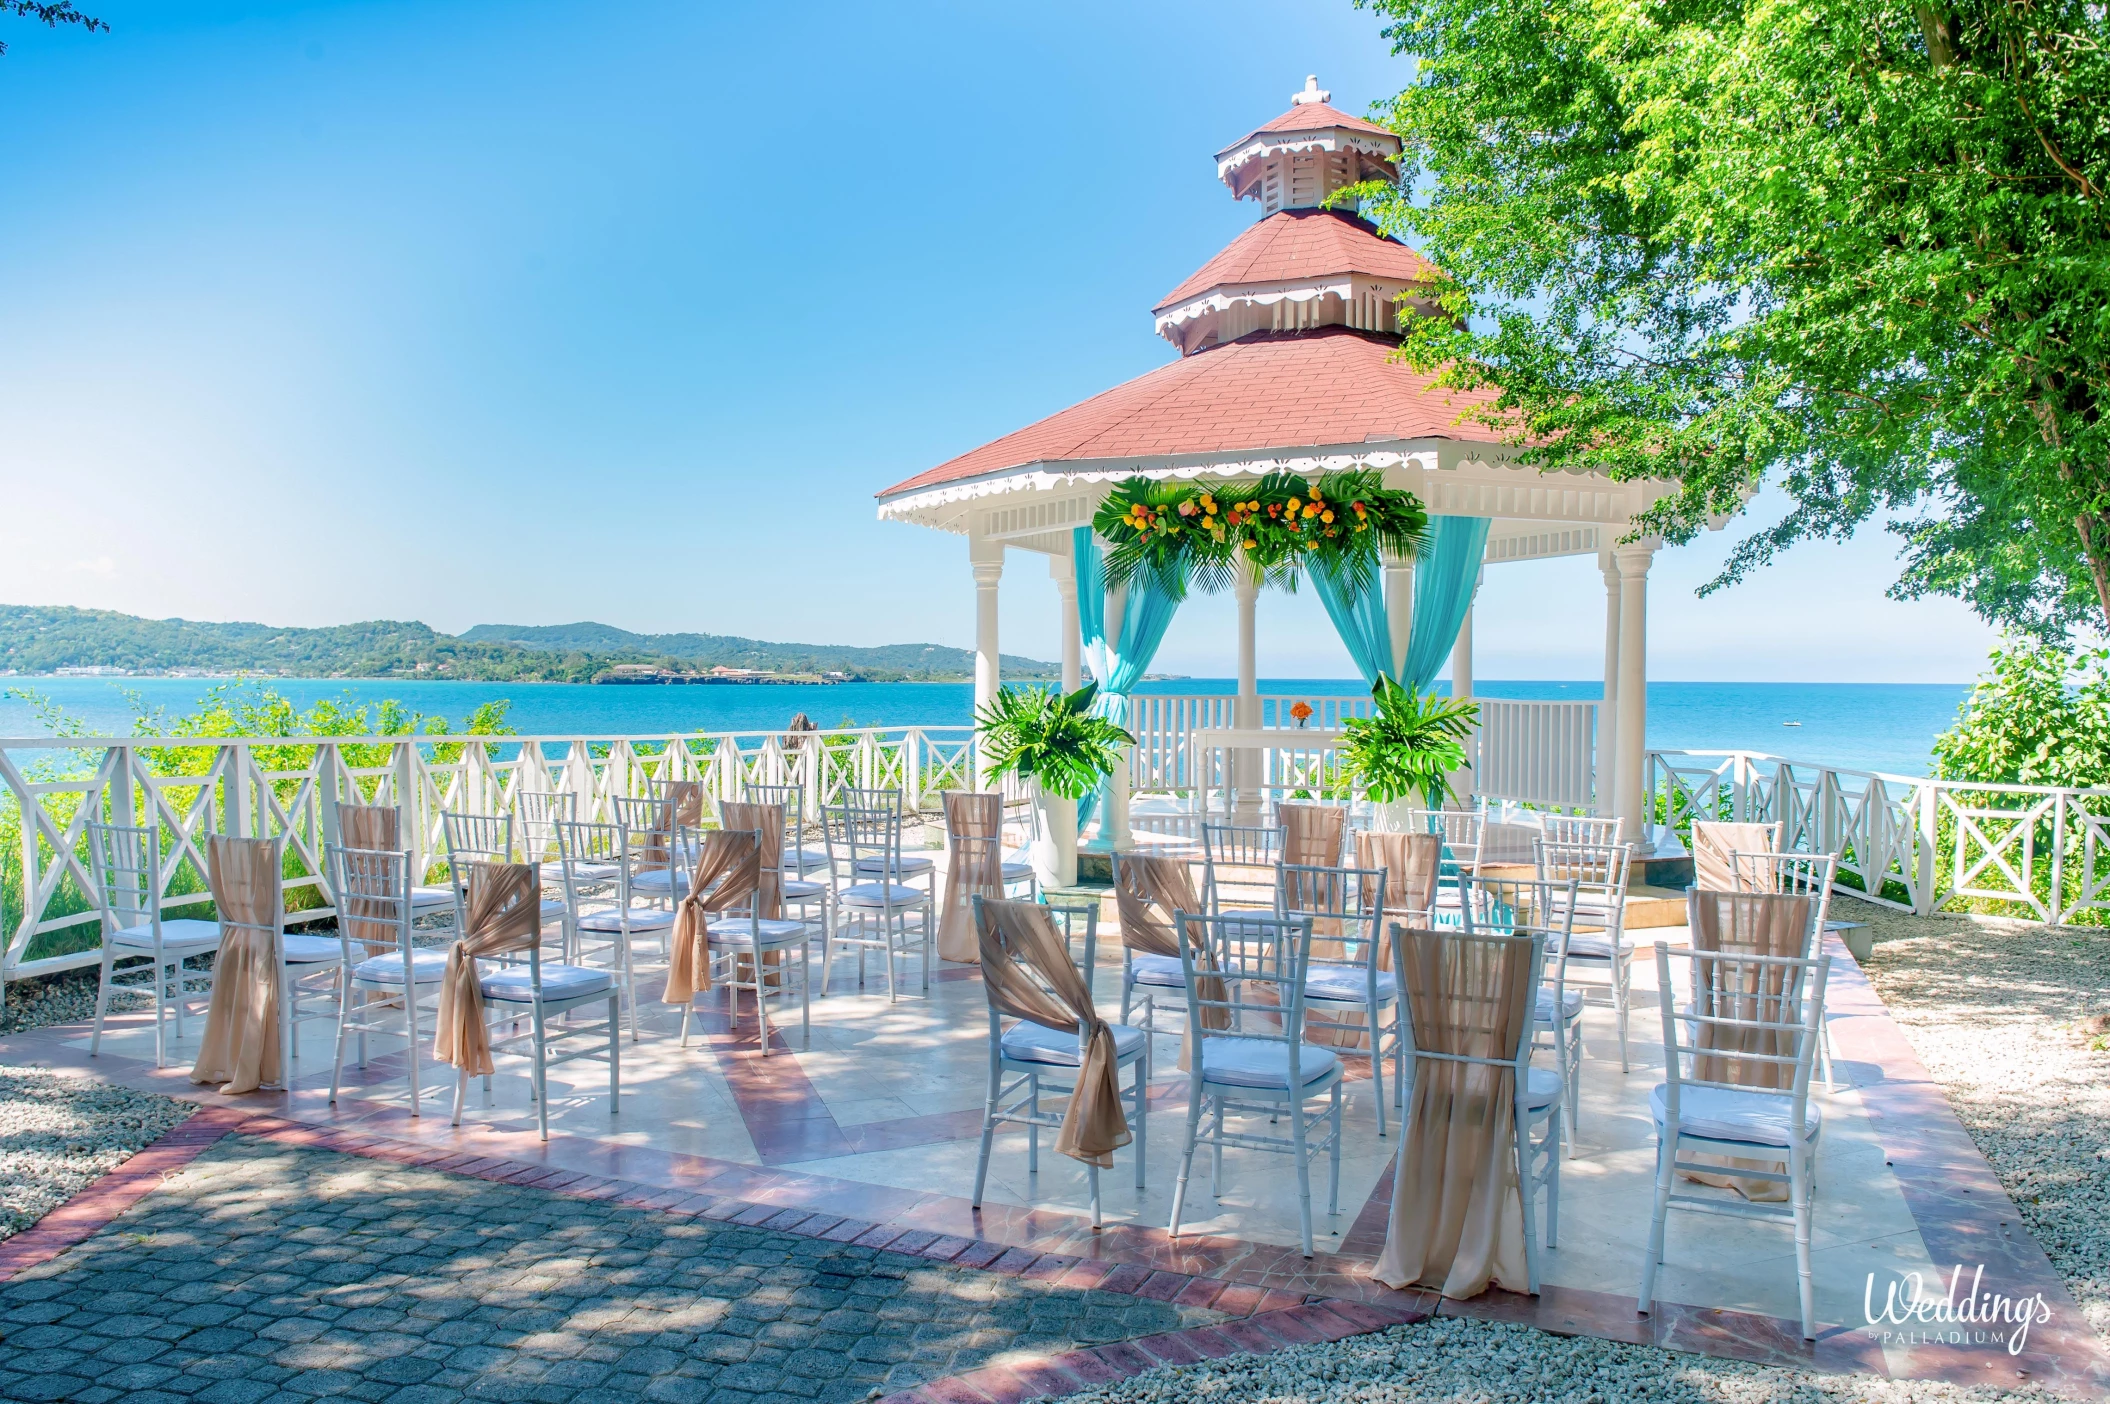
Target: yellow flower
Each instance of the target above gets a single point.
(1326, 517)
(1247, 543)
(1294, 504)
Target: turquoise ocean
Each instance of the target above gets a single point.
(1864, 726)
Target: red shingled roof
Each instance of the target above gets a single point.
(1292, 245)
(1312, 117)
(1260, 393)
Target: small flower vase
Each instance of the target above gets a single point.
(1054, 851)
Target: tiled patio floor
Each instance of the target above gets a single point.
(880, 1120)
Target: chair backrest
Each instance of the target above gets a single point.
(1599, 868)
(1314, 834)
(589, 841)
(1458, 828)
(538, 812)
(1502, 843)
(792, 799)
(1345, 904)
(1469, 995)
(1239, 865)
(1713, 840)
(126, 861)
(880, 797)
(270, 893)
(1260, 960)
(1506, 906)
(477, 838)
(1580, 828)
(1751, 1021)
(854, 833)
(1803, 874)
(1077, 918)
(372, 887)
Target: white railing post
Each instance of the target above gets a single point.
(234, 784)
(1926, 880)
(912, 768)
(2056, 907)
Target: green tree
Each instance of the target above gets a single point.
(1860, 247)
(52, 14)
(2038, 716)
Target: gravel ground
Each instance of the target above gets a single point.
(59, 1131)
(1453, 1360)
(2010, 1017)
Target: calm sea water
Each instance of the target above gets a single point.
(1871, 726)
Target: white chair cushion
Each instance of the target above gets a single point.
(1348, 984)
(908, 864)
(740, 930)
(187, 934)
(883, 894)
(610, 922)
(799, 890)
(425, 898)
(1017, 872)
(516, 983)
(1259, 1062)
(426, 968)
(1026, 1042)
(1571, 1005)
(1734, 1114)
(660, 880)
(1590, 947)
(308, 950)
(804, 858)
(1161, 971)
(581, 872)
(1542, 1088)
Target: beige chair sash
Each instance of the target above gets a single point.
(1148, 891)
(975, 870)
(241, 1047)
(1758, 924)
(1457, 1213)
(1311, 834)
(369, 828)
(728, 870)
(681, 807)
(1714, 841)
(768, 821)
(1411, 863)
(1023, 958)
(504, 914)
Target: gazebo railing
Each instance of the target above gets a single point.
(191, 787)
(1907, 841)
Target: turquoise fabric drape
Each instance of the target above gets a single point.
(1445, 575)
(1118, 664)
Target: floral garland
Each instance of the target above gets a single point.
(1179, 533)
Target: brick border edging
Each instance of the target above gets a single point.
(1264, 1319)
(114, 1191)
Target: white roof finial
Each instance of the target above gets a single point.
(1312, 91)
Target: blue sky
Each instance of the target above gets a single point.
(528, 312)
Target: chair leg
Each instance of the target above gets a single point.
(1521, 1125)
(1377, 1073)
(1142, 1139)
(461, 1093)
(1333, 1179)
(1033, 1127)
(1091, 1175)
(1296, 1138)
(1553, 1178)
(1622, 979)
(1666, 1158)
(761, 1004)
(541, 1073)
(1799, 1186)
(102, 1003)
(410, 1021)
(615, 1057)
(996, 1086)
(1216, 1153)
(806, 996)
(337, 1071)
(1179, 1189)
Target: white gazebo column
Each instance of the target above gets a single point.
(1113, 825)
(1629, 797)
(1245, 713)
(987, 557)
(1063, 571)
(1466, 781)
(1399, 606)
(1608, 710)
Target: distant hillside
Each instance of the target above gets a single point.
(712, 650)
(45, 639)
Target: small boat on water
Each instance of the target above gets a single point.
(1791, 723)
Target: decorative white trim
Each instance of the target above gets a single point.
(1223, 298)
(1329, 139)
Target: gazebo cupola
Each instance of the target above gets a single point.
(1304, 265)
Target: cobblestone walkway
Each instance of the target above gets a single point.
(263, 1271)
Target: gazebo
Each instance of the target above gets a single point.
(1286, 363)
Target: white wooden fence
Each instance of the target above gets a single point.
(1908, 841)
(193, 787)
